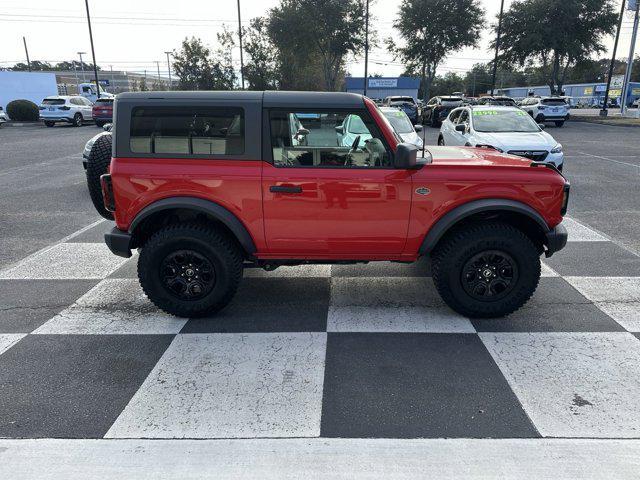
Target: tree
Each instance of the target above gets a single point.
(322, 30)
(36, 66)
(197, 68)
(433, 29)
(566, 31)
(262, 68)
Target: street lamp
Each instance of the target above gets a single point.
(93, 52)
(169, 67)
(82, 65)
(495, 60)
(240, 38)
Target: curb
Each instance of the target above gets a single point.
(20, 124)
(619, 122)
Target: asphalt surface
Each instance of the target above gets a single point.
(43, 193)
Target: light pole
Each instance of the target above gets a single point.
(26, 51)
(366, 47)
(82, 65)
(158, 67)
(627, 76)
(93, 52)
(169, 67)
(605, 110)
(113, 83)
(240, 38)
(495, 60)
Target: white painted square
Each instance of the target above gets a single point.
(607, 289)
(581, 233)
(390, 304)
(573, 384)
(8, 340)
(417, 319)
(230, 386)
(67, 261)
(626, 314)
(300, 271)
(114, 306)
(547, 271)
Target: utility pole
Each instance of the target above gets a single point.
(158, 67)
(627, 76)
(240, 37)
(169, 67)
(495, 60)
(605, 110)
(82, 65)
(26, 51)
(93, 52)
(366, 48)
(113, 83)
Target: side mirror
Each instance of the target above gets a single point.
(542, 126)
(406, 156)
(461, 128)
(340, 129)
(107, 127)
(418, 128)
(302, 132)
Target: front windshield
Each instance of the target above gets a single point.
(399, 121)
(503, 121)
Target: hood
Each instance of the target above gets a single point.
(475, 157)
(518, 140)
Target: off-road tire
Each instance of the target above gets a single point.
(49, 124)
(223, 254)
(560, 123)
(461, 245)
(97, 165)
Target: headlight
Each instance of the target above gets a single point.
(557, 149)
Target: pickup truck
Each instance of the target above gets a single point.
(206, 184)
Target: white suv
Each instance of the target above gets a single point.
(547, 109)
(3, 116)
(69, 109)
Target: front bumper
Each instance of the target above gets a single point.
(119, 242)
(556, 239)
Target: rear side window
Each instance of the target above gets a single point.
(108, 101)
(553, 101)
(187, 130)
(53, 101)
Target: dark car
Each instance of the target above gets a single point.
(405, 103)
(103, 111)
(438, 108)
(498, 101)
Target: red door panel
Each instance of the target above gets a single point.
(340, 211)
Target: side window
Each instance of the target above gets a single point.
(453, 117)
(464, 118)
(75, 101)
(187, 130)
(337, 139)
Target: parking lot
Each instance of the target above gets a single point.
(318, 352)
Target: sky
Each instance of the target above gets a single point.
(133, 35)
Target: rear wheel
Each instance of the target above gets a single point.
(486, 270)
(190, 270)
(49, 124)
(77, 120)
(559, 123)
(441, 140)
(97, 165)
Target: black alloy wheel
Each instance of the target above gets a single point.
(187, 274)
(489, 275)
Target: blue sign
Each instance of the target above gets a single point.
(632, 4)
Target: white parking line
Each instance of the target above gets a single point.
(610, 159)
(335, 458)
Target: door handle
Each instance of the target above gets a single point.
(285, 189)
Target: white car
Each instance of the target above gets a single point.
(352, 129)
(68, 109)
(3, 116)
(506, 129)
(547, 109)
(403, 126)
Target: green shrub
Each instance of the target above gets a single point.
(23, 111)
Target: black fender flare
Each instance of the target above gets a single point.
(201, 205)
(452, 217)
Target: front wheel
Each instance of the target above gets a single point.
(486, 270)
(190, 270)
(441, 141)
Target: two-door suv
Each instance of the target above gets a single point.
(206, 184)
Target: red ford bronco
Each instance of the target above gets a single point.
(206, 184)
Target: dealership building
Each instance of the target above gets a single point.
(380, 87)
(580, 93)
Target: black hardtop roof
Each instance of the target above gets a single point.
(268, 98)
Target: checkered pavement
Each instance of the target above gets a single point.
(364, 351)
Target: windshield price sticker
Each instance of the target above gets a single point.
(485, 112)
